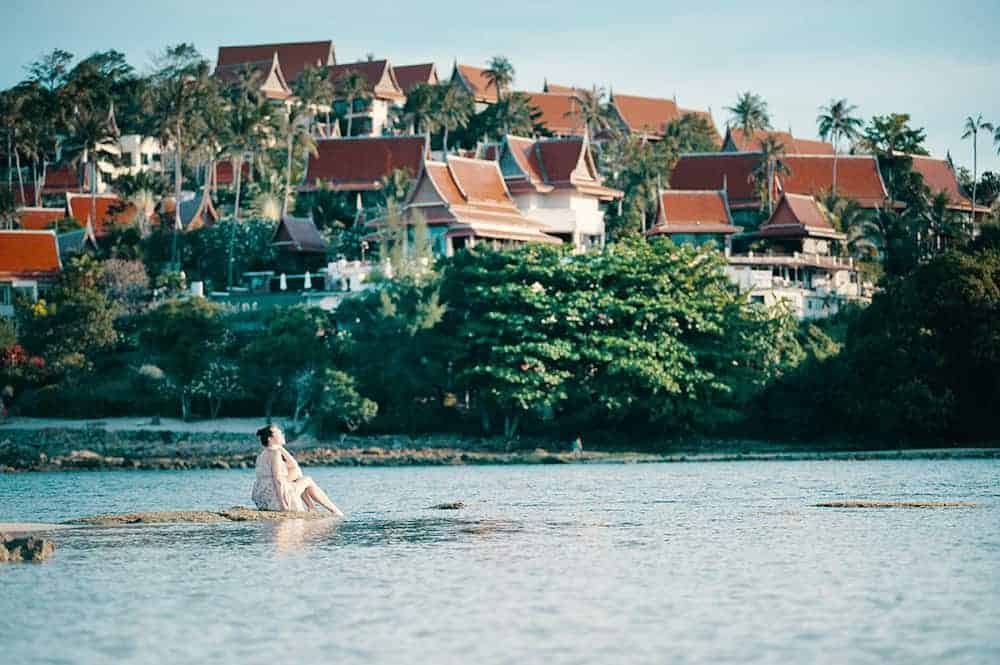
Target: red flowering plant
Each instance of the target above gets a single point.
(18, 369)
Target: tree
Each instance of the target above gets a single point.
(499, 75)
(93, 132)
(218, 382)
(452, 111)
(750, 114)
(638, 168)
(770, 166)
(313, 90)
(592, 110)
(50, 71)
(891, 135)
(972, 128)
(419, 113)
(338, 404)
(690, 133)
(125, 283)
(142, 190)
(294, 124)
(353, 86)
(836, 122)
(184, 337)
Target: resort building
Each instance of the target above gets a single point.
(38, 219)
(359, 164)
(410, 76)
(694, 217)
(465, 202)
(293, 57)
(268, 75)
(138, 154)
(555, 182)
(109, 211)
(648, 116)
(560, 112)
(369, 116)
(798, 265)
(475, 82)
(29, 265)
(736, 141)
(939, 176)
(300, 245)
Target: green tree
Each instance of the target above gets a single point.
(93, 134)
(353, 86)
(836, 122)
(499, 75)
(971, 130)
(338, 405)
(419, 114)
(452, 111)
(689, 133)
(592, 109)
(771, 165)
(891, 135)
(750, 114)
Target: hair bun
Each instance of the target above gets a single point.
(264, 434)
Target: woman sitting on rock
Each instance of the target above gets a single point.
(280, 484)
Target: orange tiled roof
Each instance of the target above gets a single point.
(939, 176)
(555, 88)
(735, 141)
(476, 82)
(29, 254)
(649, 115)
(796, 216)
(560, 112)
(294, 56)
(359, 163)
(111, 211)
(714, 171)
(381, 80)
(36, 219)
(543, 165)
(858, 177)
(409, 76)
(270, 77)
(687, 211)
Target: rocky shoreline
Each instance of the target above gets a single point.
(97, 448)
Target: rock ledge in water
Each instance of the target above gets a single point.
(25, 549)
(896, 504)
(451, 505)
(235, 514)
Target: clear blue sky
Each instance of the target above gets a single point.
(938, 61)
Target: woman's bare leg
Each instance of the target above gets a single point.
(309, 489)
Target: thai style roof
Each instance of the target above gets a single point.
(196, 212)
(36, 219)
(409, 76)
(64, 178)
(359, 163)
(692, 211)
(939, 176)
(649, 115)
(545, 165)
(471, 198)
(560, 112)
(298, 235)
(561, 89)
(225, 174)
(736, 141)
(858, 176)
(72, 243)
(476, 83)
(798, 216)
(110, 211)
(271, 79)
(382, 82)
(29, 254)
(293, 56)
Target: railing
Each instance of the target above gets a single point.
(794, 258)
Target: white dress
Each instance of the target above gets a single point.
(272, 490)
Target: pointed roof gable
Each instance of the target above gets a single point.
(37, 219)
(939, 177)
(560, 112)
(359, 163)
(381, 80)
(649, 115)
(293, 56)
(111, 211)
(270, 78)
(475, 82)
(736, 141)
(798, 216)
(687, 211)
(543, 165)
(29, 254)
(298, 235)
(410, 76)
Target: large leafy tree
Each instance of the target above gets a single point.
(892, 135)
(837, 122)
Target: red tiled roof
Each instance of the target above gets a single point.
(796, 216)
(560, 113)
(793, 146)
(713, 171)
(294, 56)
(555, 88)
(858, 177)
(36, 219)
(686, 211)
(111, 211)
(270, 77)
(359, 163)
(63, 178)
(378, 73)
(649, 115)
(225, 175)
(409, 76)
(26, 254)
(476, 83)
(940, 177)
(546, 164)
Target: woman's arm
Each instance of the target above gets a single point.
(294, 471)
(279, 476)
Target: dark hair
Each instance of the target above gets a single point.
(264, 434)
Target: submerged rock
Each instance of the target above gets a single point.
(896, 504)
(234, 514)
(453, 505)
(25, 549)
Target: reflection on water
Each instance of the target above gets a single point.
(598, 564)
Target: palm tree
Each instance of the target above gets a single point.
(294, 124)
(513, 115)
(770, 166)
(837, 122)
(972, 128)
(499, 74)
(749, 114)
(314, 90)
(92, 133)
(592, 110)
(248, 118)
(353, 85)
(418, 113)
(142, 190)
(452, 111)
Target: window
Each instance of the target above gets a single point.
(128, 159)
(757, 300)
(145, 159)
(5, 294)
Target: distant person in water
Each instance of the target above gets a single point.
(578, 446)
(280, 484)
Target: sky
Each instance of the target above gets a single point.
(939, 62)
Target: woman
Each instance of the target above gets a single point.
(280, 484)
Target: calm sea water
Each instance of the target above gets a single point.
(685, 563)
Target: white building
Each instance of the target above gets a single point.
(368, 117)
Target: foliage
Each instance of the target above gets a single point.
(749, 114)
(125, 283)
(218, 382)
(892, 135)
(338, 405)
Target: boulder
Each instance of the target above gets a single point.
(453, 505)
(25, 549)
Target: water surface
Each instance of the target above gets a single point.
(680, 563)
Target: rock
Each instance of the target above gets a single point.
(234, 514)
(896, 504)
(25, 549)
(454, 505)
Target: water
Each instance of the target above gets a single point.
(686, 563)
